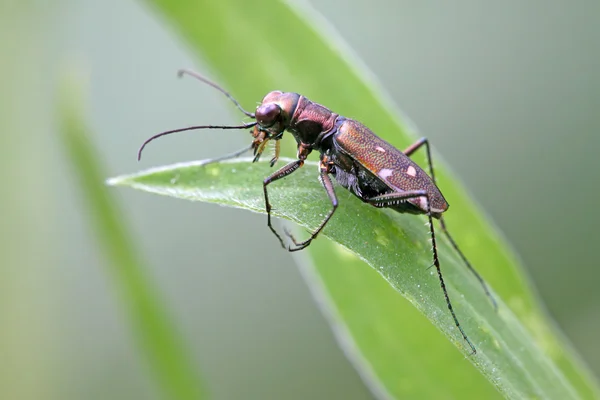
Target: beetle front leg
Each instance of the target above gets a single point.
(283, 172)
(328, 185)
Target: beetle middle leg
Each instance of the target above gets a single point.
(280, 173)
(409, 151)
(416, 146)
(387, 200)
(325, 170)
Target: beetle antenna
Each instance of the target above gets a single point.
(191, 128)
(196, 75)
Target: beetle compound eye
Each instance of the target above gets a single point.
(267, 114)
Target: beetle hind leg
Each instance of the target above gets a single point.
(409, 151)
(467, 263)
(390, 199)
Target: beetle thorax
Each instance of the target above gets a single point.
(311, 122)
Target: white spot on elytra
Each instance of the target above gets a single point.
(385, 173)
(411, 171)
(380, 149)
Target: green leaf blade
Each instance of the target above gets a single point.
(394, 245)
(151, 323)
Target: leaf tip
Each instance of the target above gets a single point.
(116, 181)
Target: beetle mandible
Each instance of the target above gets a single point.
(368, 166)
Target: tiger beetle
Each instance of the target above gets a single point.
(368, 166)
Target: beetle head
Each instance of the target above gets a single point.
(275, 112)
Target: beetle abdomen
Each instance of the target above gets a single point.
(386, 163)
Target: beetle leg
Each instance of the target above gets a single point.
(409, 151)
(280, 173)
(468, 264)
(416, 146)
(389, 199)
(325, 169)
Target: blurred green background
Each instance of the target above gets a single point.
(507, 92)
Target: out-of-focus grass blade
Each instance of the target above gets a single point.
(159, 341)
(395, 246)
(261, 46)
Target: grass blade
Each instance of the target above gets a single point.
(152, 326)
